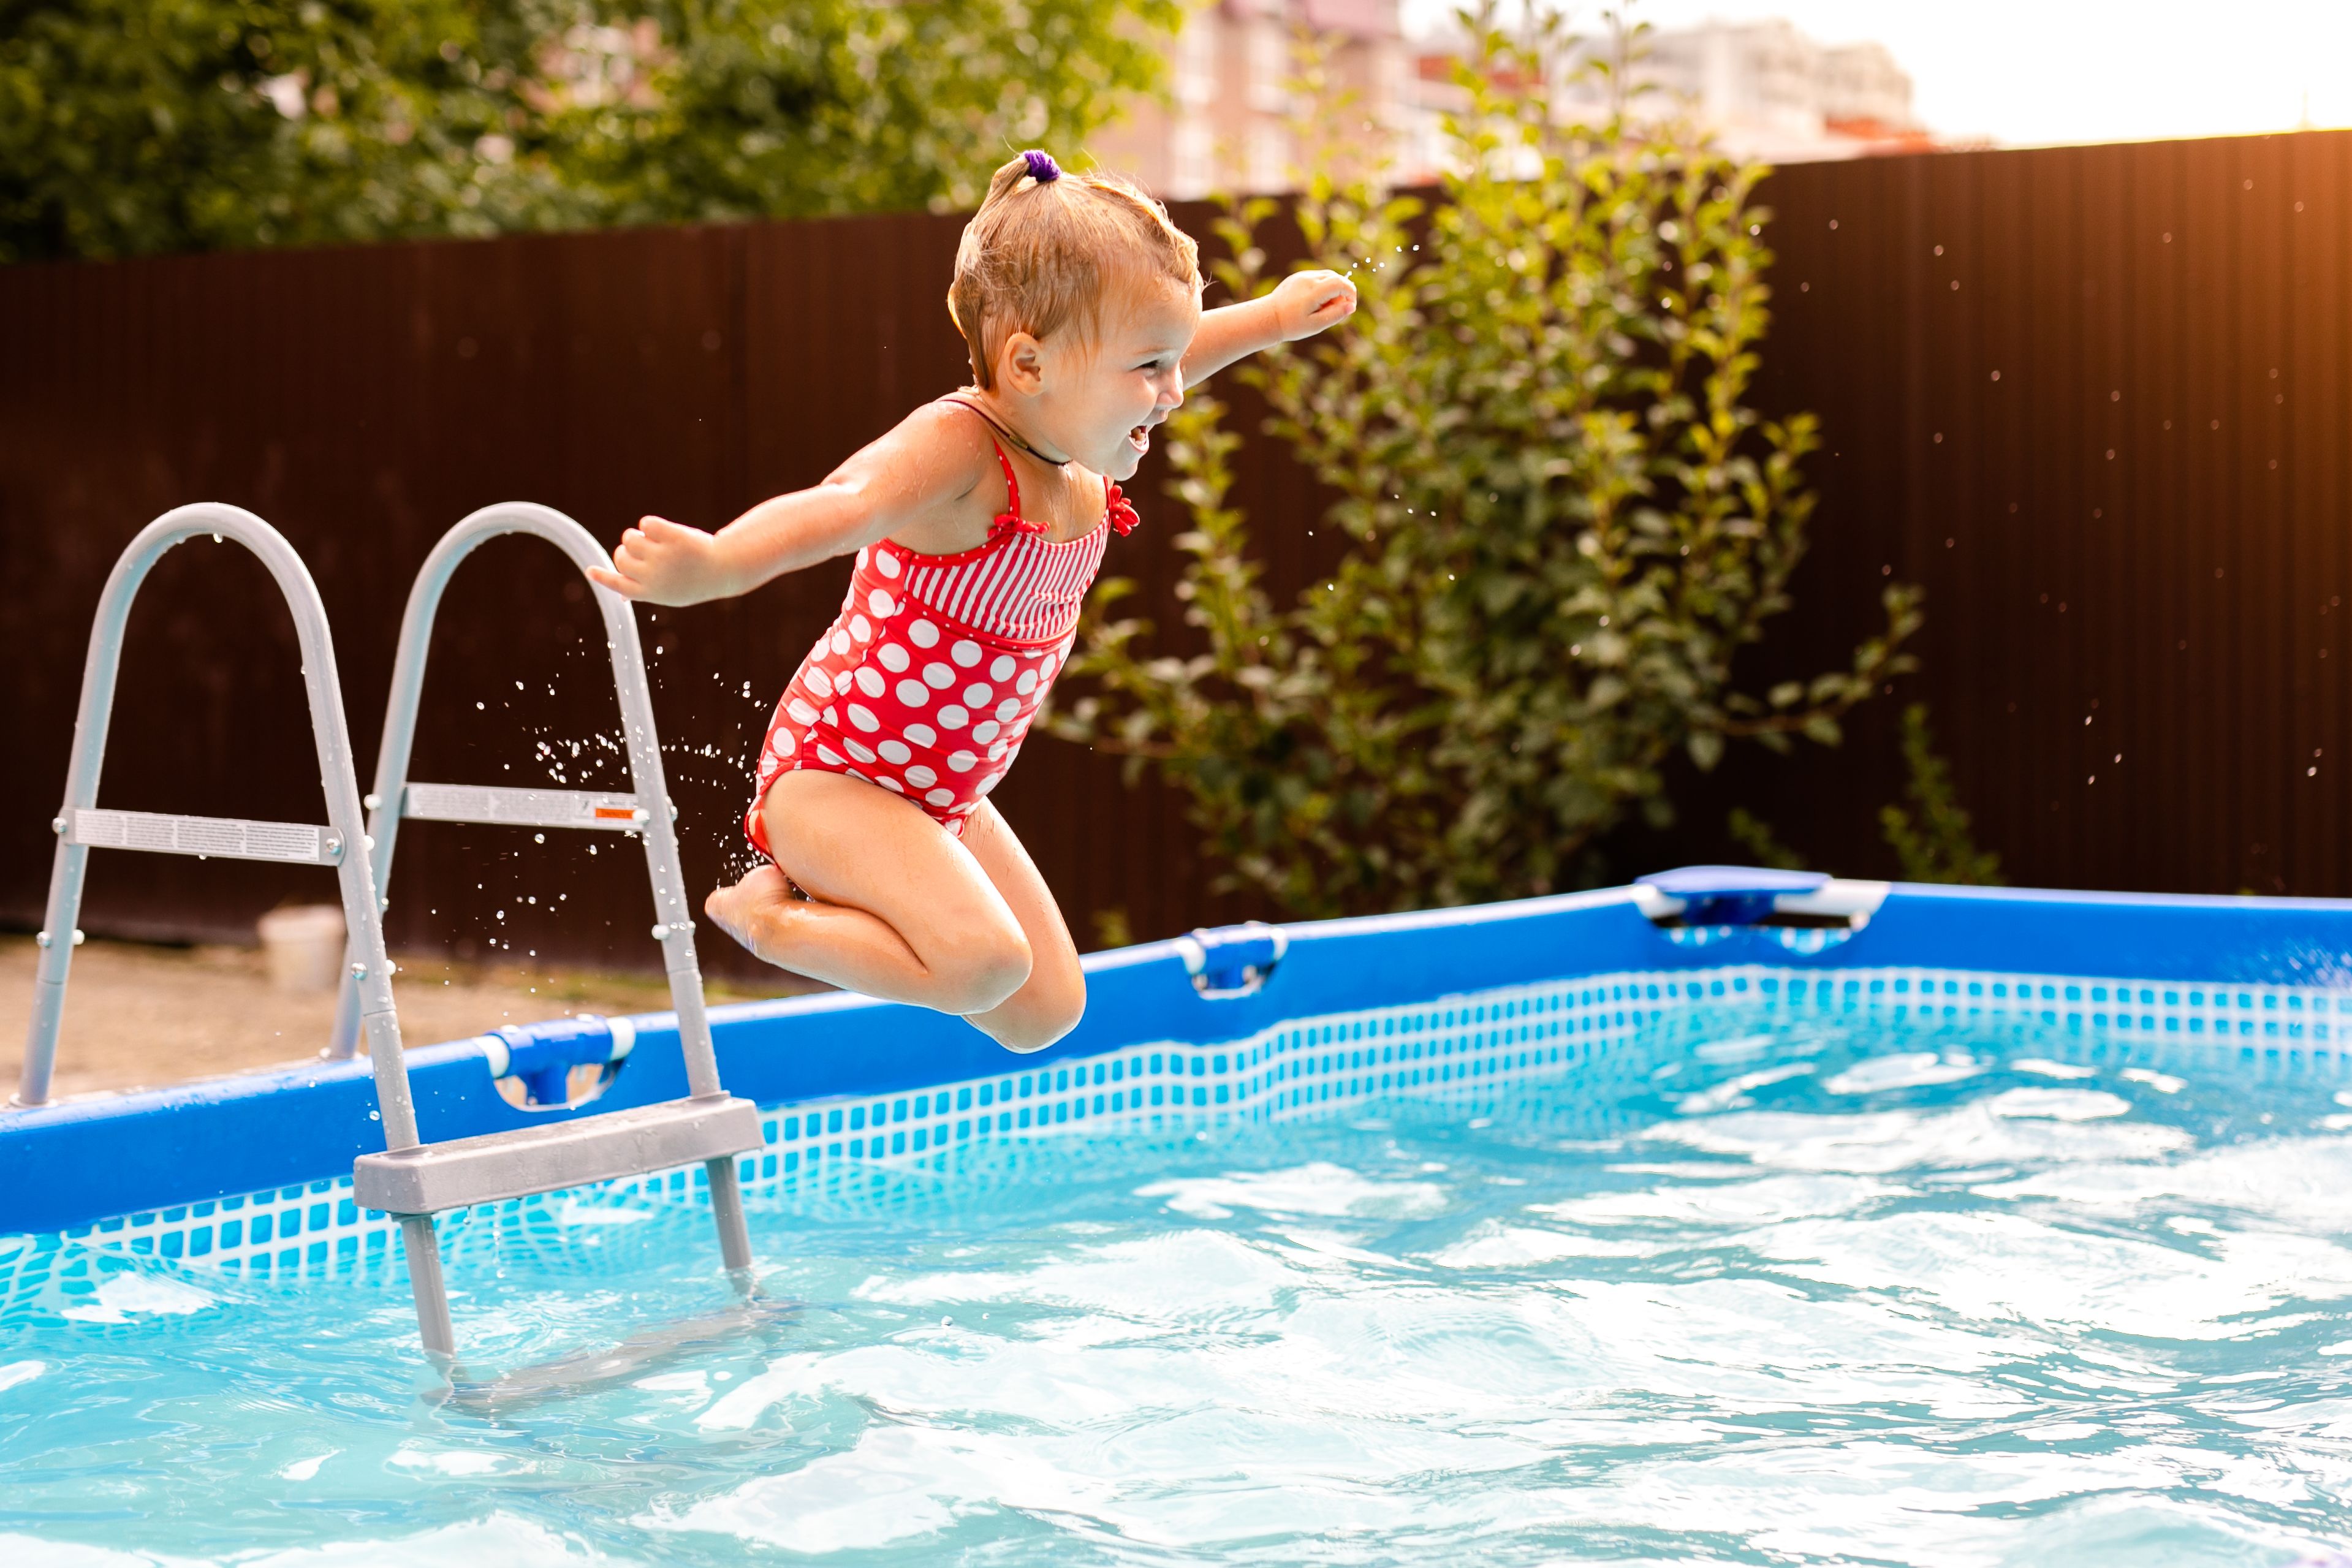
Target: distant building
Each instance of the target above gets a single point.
(1230, 125)
(1766, 91)
(1762, 88)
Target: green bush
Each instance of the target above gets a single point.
(1931, 839)
(1565, 521)
(131, 127)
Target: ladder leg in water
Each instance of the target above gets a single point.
(423, 1249)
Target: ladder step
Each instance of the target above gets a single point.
(499, 1165)
(521, 808)
(228, 837)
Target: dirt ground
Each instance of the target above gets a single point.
(140, 1017)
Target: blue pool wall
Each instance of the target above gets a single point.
(70, 1164)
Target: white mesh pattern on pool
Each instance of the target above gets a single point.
(851, 1152)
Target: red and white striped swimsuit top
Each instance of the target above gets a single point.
(926, 682)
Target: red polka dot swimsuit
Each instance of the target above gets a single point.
(926, 682)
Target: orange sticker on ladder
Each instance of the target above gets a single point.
(622, 813)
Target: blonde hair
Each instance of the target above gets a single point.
(1047, 247)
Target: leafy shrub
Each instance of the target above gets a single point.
(1931, 839)
(132, 127)
(1565, 521)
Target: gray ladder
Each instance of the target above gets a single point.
(80, 826)
(415, 1181)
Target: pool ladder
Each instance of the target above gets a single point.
(412, 1179)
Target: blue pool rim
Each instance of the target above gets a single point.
(85, 1161)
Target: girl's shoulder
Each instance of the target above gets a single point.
(949, 436)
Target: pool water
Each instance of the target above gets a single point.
(1754, 1289)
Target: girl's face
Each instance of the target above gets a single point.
(1097, 400)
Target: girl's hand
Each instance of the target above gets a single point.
(1307, 302)
(663, 562)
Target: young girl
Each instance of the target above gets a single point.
(977, 525)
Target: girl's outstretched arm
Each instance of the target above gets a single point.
(1300, 306)
(934, 456)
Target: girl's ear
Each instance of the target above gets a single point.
(1021, 364)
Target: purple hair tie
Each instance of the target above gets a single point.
(1042, 167)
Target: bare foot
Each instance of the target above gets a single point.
(747, 910)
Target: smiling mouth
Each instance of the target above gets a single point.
(1139, 438)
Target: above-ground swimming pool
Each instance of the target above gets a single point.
(1997, 1227)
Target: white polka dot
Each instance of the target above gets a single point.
(913, 693)
(996, 753)
(861, 628)
(864, 554)
(984, 731)
(830, 716)
(802, 713)
(891, 784)
(819, 681)
(923, 635)
(1002, 670)
(768, 767)
(1007, 709)
(922, 735)
(894, 658)
(894, 752)
(880, 605)
(952, 717)
(962, 762)
(828, 756)
(1045, 671)
(857, 752)
(940, 797)
(920, 777)
(978, 693)
(838, 642)
(1027, 682)
(863, 718)
(784, 740)
(869, 680)
(990, 782)
(965, 652)
(885, 563)
(938, 675)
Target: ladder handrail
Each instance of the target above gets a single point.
(371, 990)
(674, 923)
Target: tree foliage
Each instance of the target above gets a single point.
(131, 127)
(1565, 518)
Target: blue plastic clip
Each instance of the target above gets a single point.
(543, 1055)
(1232, 960)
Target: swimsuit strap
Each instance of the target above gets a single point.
(1009, 521)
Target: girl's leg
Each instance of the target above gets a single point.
(1050, 1002)
(899, 910)
(896, 909)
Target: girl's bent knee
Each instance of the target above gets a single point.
(983, 976)
(1037, 1020)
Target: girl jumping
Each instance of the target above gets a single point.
(977, 525)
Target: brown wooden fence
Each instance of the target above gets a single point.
(2097, 400)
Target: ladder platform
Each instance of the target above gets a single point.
(432, 1177)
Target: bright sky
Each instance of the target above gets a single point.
(2028, 71)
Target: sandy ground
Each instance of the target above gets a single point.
(138, 1017)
